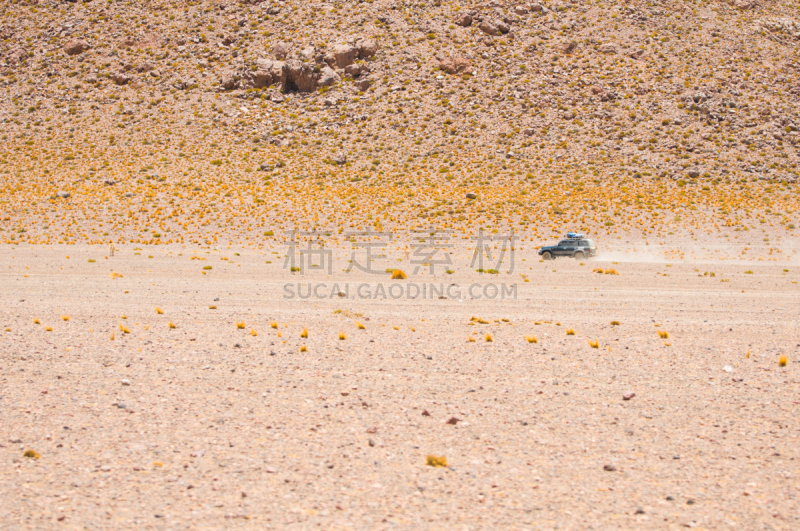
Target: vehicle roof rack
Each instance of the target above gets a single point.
(575, 235)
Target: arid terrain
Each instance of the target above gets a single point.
(177, 349)
(224, 421)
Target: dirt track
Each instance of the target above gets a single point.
(208, 426)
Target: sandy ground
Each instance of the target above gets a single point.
(207, 426)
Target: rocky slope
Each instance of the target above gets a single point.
(264, 115)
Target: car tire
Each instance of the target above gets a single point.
(547, 255)
(579, 255)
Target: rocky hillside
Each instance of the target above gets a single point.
(201, 120)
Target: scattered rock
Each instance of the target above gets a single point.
(567, 47)
(453, 421)
(339, 158)
(743, 4)
(62, 194)
(609, 48)
(628, 395)
(609, 468)
(472, 195)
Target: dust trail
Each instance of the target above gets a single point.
(677, 252)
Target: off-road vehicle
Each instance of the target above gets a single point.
(575, 246)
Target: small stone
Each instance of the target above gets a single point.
(62, 194)
(609, 468)
(628, 395)
(727, 368)
(471, 195)
(125, 381)
(453, 421)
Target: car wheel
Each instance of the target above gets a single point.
(547, 255)
(579, 255)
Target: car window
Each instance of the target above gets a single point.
(583, 243)
(564, 243)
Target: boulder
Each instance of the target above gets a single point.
(76, 46)
(367, 48)
(281, 50)
(471, 195)
(353, 70)
(17, 56)
(120, 78)
(344, 54)
(520, 10)
(363, 83)
(307, 53)
(300, 77)
(743, 4)
(455, 65)
(464, 20)
(227, 80)
(267, 72)
(488, 28)
(62, 194)
(328, 77)
(609, 48)
(339, 158)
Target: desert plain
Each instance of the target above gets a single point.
(212, 411)
(163, 364)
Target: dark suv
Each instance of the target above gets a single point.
(574, 247)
